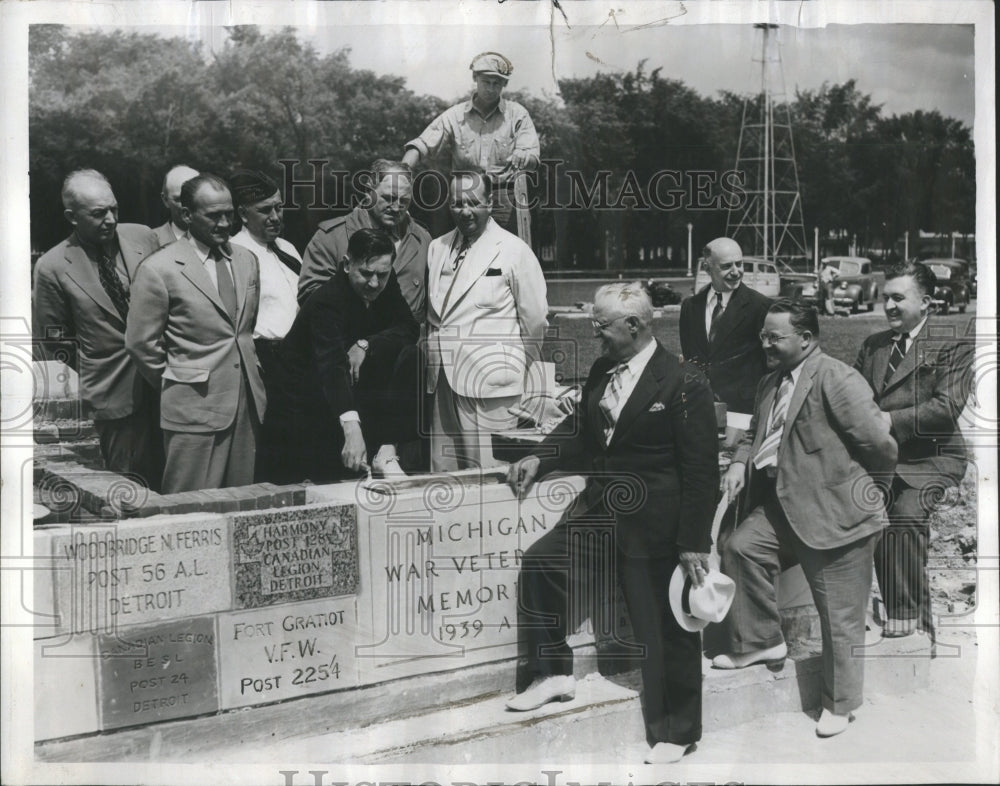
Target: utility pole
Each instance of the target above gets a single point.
(769, 224)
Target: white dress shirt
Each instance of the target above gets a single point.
(710, 306)
(278, 286)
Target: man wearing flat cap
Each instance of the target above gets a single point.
(487, 134)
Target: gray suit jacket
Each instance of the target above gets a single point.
(184, 342)
(834, 440)
(71, 312)
(924, 397)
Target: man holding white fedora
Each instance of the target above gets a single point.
(647, 421)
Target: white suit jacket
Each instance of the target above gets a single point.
(486, 327)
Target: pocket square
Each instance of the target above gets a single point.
(494, 271)
(657, 407)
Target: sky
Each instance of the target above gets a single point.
(905, 67)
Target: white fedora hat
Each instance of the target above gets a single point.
(695, 607)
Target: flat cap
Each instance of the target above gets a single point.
(251, 186)
(492, 63)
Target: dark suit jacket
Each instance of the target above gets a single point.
(834, 440)
(735, 361)
(924, 397)
(313, 355)
(181, 337)
(659, 476)
(328, 246)
(68, 301)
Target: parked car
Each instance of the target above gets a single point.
(853, 284)
(954, 286)
(661, 293)
(758, 274)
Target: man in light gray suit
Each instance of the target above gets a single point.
(816, 440)
(190, 331)
(80, 302)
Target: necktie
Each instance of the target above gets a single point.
(462, 251)
(611, 398)
(112, 284)
(286, 259)
(227, 290)
(895, 357)
(716, 313)
(768, 454)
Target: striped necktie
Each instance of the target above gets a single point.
(767, 455)
(610, 400)
(895, 357)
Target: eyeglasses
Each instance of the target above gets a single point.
(601, 325)
(773, 338)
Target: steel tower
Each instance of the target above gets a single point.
(768, 224)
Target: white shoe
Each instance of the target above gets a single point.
(561, 687)
(667, 753)
(774, 657)
(831, 724)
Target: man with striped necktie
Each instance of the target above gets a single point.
(647, 444)
(921, 382)
(816, 443)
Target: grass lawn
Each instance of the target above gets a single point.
(573, 348)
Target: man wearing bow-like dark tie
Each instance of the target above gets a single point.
(80, 303)
(647, 444)
(921, 382)
(815, 443)
(190, 331)
(258, 203)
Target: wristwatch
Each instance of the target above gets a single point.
(363, 343)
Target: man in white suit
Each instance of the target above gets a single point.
(486, 320)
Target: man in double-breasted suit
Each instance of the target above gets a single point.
(815, 443)
(719, 328)
(646, 441)
(80, 303)
(190, 331)
(921, 382)
(486, 319)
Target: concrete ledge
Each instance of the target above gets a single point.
(326, 723)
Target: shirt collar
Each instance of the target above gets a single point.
(178, 231)
(638, 361)
(914, 332)
(713, 297)
(204, 251)
(95, 251)
(501, 107)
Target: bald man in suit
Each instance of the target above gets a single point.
(190, 331)
(80, 303)
(719, 328)
(174, 227)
